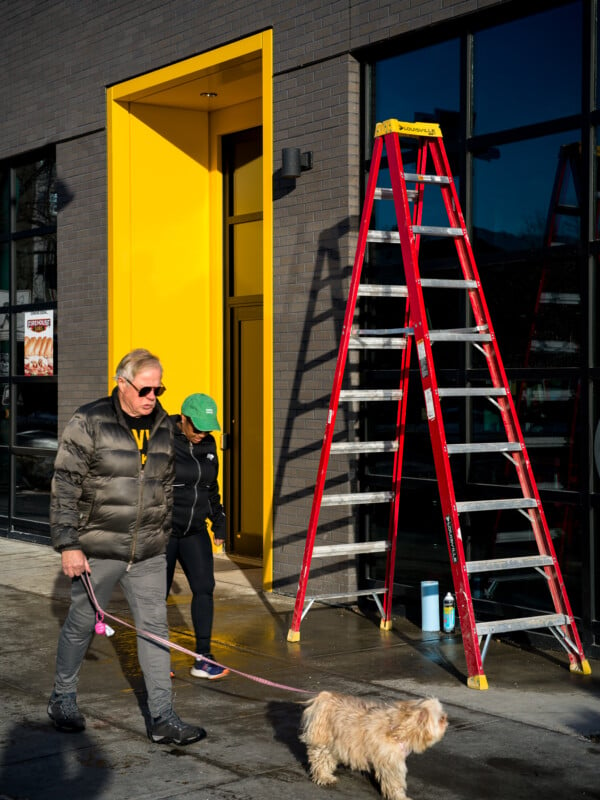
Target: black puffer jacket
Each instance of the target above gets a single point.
(102, 501)
(196, 497)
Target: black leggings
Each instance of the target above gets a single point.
(194, 553)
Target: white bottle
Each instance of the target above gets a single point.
(449, 613)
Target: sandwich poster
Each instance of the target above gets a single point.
(39, 342)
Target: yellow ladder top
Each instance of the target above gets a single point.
(408, 128)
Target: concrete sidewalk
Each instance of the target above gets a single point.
(533, 734)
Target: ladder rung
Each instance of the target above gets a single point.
(469, 391)
(381, 290)
(377, 342)
(348, 395)
(447, 283)
(351, 549)
(521, 624)
(438, 230)
(495, 505)
(526, 535)
(383, 331)
(552, 346)
(518, 562)
(484, 447)
(546, 441)
(356, 498)
(364, 447)
(386, 193)
(358, 593)
(383, 237)
(465, 335)
(561, 298)
(414, 177)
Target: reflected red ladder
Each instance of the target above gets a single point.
(481, 335)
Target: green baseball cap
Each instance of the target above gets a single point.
(202, 410)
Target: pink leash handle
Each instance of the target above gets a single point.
(100, 613)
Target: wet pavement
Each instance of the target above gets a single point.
(534, 734)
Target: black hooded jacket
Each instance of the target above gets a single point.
(195, 491)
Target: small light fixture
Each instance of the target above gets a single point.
(208, 94)
(293, 162)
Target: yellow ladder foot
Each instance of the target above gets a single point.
(583, 668)
(386, 624)
(293, 636)
(477, 682)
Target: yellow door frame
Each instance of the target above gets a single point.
(165, 286)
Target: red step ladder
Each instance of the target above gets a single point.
(408, 206)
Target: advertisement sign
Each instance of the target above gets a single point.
(39, 342)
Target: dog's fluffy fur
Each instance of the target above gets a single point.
(369, 735)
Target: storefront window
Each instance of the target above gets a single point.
(515, 89)
(28, 352)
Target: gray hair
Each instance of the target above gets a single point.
(136, 361)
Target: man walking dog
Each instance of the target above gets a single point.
(110, 516)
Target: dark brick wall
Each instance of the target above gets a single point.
(316, 220)
(82, 275)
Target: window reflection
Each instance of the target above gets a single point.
(32, 490)
(36, 269)
(489, 535)
(420, 85)
(513, 200)
(518, 84)
(36, 194)
(548, 411)
(36, 414)
(4, 201)
(4, 481)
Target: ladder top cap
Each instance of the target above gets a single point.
(408, 128)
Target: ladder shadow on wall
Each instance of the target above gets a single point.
(330, 277)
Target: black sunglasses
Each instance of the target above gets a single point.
(194, 428)
(145, 390)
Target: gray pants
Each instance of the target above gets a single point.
(145, 589)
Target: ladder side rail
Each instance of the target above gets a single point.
(564, 160)
(417, 216)
(400, 436)
(506, 404)
(433, 408)
(337, 385)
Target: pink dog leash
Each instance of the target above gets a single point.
(100, 614)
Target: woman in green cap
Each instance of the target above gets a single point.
(195, 499)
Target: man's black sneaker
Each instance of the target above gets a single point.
(169, 729)
(64, 713)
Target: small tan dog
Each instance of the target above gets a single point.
(369, 735)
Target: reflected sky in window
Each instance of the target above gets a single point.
(528, 71)
(512, 193)
(419, 85)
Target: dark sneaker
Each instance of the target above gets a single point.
(169, 729)
(204, 669)
(64, 713)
